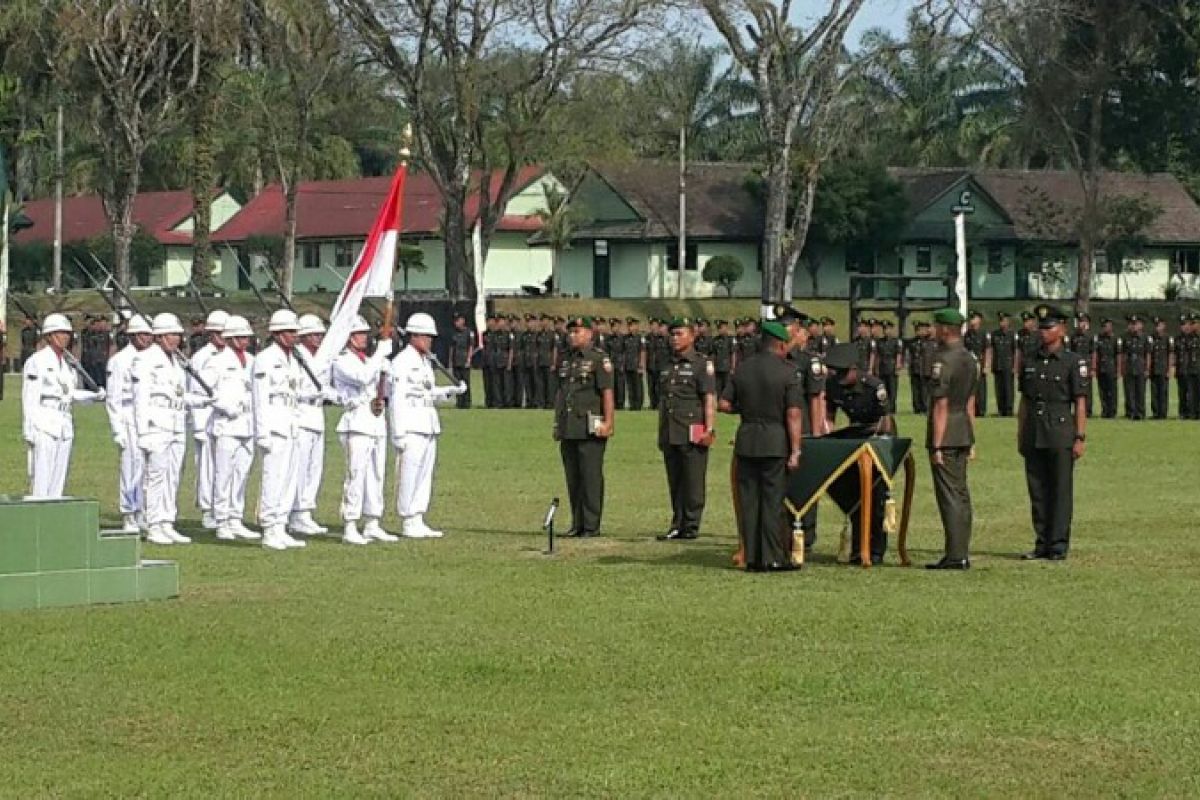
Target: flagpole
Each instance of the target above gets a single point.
(389, 315)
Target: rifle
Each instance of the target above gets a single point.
(117, 288)
(67, 355)
(262, 301)
(366, 300)
(199, 300)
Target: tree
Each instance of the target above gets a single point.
(1067, 56)
(410, 259)
(559, 220)
(479, 78)
(799, 77)
(135, 63)
(858, 206)
(723, 270)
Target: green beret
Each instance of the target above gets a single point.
(949, 316)
(775, 330)
(580, 322)
(680, 322)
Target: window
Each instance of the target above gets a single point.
(343, 254)
(924, 259)
(310, 255)
(1188, 261)
(995, 263)
(691, 257)
(1102, 266)
(853, 263)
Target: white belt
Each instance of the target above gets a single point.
(313, 401)
(162, 402)
(283, 400)
(56, 402)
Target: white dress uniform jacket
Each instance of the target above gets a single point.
(362, 434)
(274, 389)
(415, 427)
(119, 405)
(49, 387)
(203, 453)
(310, 447)
(232, 429)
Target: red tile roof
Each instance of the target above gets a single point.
(347, 208)
(83, 217)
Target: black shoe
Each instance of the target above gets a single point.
(755, 568)
(588, 534)
(571, 533)
(1033, 555)
(689, 535)
(787, 566)
(948, 563)
(670, 535)
(1056, 557)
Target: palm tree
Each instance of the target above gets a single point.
(558, 226)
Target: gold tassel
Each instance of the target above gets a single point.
(890, 525)
(844, 544)
(797, 542)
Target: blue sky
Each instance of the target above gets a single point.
(888, 14)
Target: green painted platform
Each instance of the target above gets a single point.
(53, 553)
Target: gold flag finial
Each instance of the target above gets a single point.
(406, 142)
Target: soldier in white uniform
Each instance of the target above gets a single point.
(202, 442)
(231, 429)
(161, 401)
(310, 435)
(120, 419)
(415, 424)
(362, 431)
(50, 385)
(277, 378)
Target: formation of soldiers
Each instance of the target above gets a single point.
(238, 407)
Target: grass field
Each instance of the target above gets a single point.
(475, 666)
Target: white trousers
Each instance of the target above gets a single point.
(415, 460)
(48, 460)
(204, 472)
(133, 468)
(164, 463)
(310, 453)
(232, 457)
(279, 474)
(366, 463)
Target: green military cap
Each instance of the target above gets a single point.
(887, 324)
(975, 314)
(1156, 320)
(948, 316)
(1134, 318)
(1048, 316)
(720, 322)
(917, 324)
(530, 317)
(547, 317)
(514, 317)
(842, 356)
(701, 321)
(680, 322)
(560, 319)
(775, 330)
(1106, 321)
(1003, 315)
(632, 319)
(580, 322)
(873, 322)
(828, 321)
(1081, 316)
(786, 314)
(1027, 315)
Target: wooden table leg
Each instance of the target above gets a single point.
(866, 474)
(739, 558)
(910, 484)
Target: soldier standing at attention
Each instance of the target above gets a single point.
(1083, 344)
(545, 343)
(1051, 434)
(488, 363)
(814, 336)
(1193, 366)
(876, 338)
(766, 392)
(635, 364)
(1004, 348)
(723, 355)
(584, 418)
(950, 436)
(29, 339)
(810, 369)
(1162, 355)
(686, 427)
(462, 350)
(1183, 346)
(979, 342)
(866, 348)
(703, 337)
(929, 347)
(506, 342)
(615, 347)
(888, 351)
(654, 361)
(828, 333)
(198, 337)
(912, 356)
(1027, 343)
(1131, 361)
(1108, 350)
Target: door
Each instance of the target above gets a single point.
(601, 270)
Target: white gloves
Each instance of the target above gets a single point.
(461, 388)
(121, 441)
(384, 348)
(398, 443)
(330, 395)
(264, 443)
(99, 395)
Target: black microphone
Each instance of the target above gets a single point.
(550, 512)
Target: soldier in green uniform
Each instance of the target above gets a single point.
(634, 348)
(888, 352)
(1004, 349)
(1051, 434)
(562, 346)
(616, 351)
(545, 343)
(950, 436)
(723, 346)
(865, 402)
(866, 348)
(1083, 343)
(686, 426)
(487, 362)
(654, 361)
(600, 338)
(29, 339)
(979, 342)
(1183, 352)
(766, 392)
(1132, 357)
(913, 349)
(462, 350)
(810, 369)
(1161, 346)
(828, 333)
(1193, 367)
(1108, 350)
(506, 345)
(584, 419)
(929, 347)
(814, 336)
(1027, 344)
(703, 337)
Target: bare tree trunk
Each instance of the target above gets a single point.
(204, 176)
(778, 188)
(287, 270)
(682, 266)
(813, 260)
(123, 230)
(798, 233)
(460, 273)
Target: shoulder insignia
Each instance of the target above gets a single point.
(709, 368)
(881, 393)
(607, 365)
(937, 369)
(1083, 369)
(818, 369)
(31, 376)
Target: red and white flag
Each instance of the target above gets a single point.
(373, 272)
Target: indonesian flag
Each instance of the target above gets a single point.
(373, 272)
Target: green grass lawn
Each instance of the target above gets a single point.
(475, 666)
